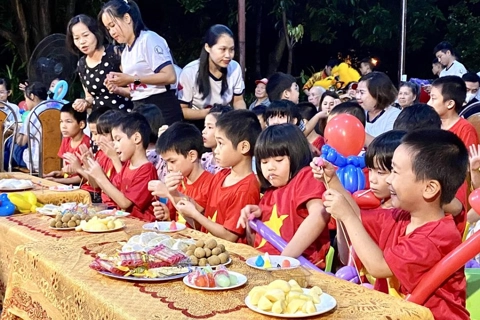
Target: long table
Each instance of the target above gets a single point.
(49, 278)
(44, 194)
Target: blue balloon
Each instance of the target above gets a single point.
(351, 180)
(361, 179)
(63, 85)
(6, 208)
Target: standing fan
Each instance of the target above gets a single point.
(50, 60)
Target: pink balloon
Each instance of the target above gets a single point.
(474, 200)
(346, 134)
(22, 105)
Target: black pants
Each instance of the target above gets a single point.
(167, 102)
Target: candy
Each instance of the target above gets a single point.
(173, 226)
(222, 280)
(320, 162)
(251, 216)
(233, 279)
(267, 264)
(259, 262)
(286, 263)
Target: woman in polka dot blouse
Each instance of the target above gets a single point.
(85, 36)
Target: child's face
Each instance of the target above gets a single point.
(179, 163)
(124, 145)
(278, 119)
(226, 154)
(405, 190)
(4, 93)
(69, 126)
(436, 68)
(263, 124)
(208, 133)
(328, 103)
(378, 182)
(276, 170)
(364, 98)
(436, 101)
(293, 93)
(444, 57)
(93, 131)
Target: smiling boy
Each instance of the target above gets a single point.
(400, 248)
(129, 190)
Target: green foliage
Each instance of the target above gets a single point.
(193, 6)
(14, 73)
(462, 30)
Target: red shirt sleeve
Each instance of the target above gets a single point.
(137, 191)
(252, 196)
(307, 188)
(63, 147)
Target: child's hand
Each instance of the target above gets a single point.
(186, 208)
(158, 188)
(84, 153)
(322, 169)
(93, 169)
(474, 157)
(54, 174)
(162, 129)
(73, 163)
(160, 211)
(336, 204)
(107, 147)
(67, 169)
(173, 180)
(248, 213)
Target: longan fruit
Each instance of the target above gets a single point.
(216, 251)
(199, 253)
(191, 247)
(64, 225)
(189, 253)
(71, 224)
(202, 262)
(194, 260)
(222, 247)
(214, 260)
(211, 243)
(53, 223)
(199, 244)
(58, 224)
(223, 257)
(208, 252)
(77, 222)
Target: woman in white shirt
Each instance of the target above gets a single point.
(148, 73)
(215, 78)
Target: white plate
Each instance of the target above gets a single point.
(63, 229)
(64, 188)
(47, 210)
(104, 231)
(241, 280)
(163, 226)
(7, 185)
(118, 213)
(327, 303)
(275, 260)
(136, 279)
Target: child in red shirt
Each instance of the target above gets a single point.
(308, 111)
(230, 189)
(72, 124)
(180, 146)
(402, 246)
(292, 205)
(129, 189)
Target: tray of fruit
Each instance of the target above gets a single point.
(158, 264)
(214, 279)
(98, 225)
(272, 262)
(67, 221)
(284, 299)
(208, 252)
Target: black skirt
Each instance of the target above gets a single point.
(167, 102)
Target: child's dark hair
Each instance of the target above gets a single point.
(380, 152)
(38, 89)
(260, 110)
(105, 121)
(277, 83)
(435, 61)
(328, 93)
(117, 10)
(282, 140)
(218, 109)
(92, 26)
(443, 46)
(132, 123)
(367, 61)
(307, 110)
(96, 113)
(6, 83)
(452, 88)
(78, 116)
(181, 138)
(203, 80)
(468, 77)
(438, 155)
(240, 125)
(380, 88)
(283, 108)
(350, 107)
(155, 119)
(416, 117)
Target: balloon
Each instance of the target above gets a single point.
(24, 201)
(351, 180)
(22, 105)
(367, 285)
(366, 199)
(474, 200)
(347, 273)
(346, 134)
(60, 90)
(472, 264)
(6, 208)
(277, 241)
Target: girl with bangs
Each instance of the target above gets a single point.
(292, 205)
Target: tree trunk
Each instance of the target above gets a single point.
(290, 60)
(287, 40)
(45, 20)
(258, 42)
(21, 42)
(275, 56)
(69, 10)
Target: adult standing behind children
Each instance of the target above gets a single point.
(260, 94)
(85, 37)
(447, 57)
(147, 64)
(214, 78)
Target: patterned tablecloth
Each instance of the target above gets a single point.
(51, 279)
(44, 194)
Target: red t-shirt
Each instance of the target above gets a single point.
(284, 210)
(465, 131)
(67, 147)
(107, 165)
(134, 185)
(319, 143)
(223, 204)
(411, 256)
(197, 190)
